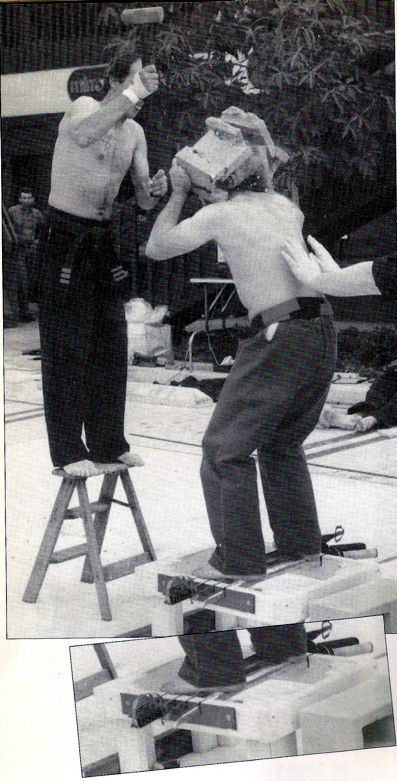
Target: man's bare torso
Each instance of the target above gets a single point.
(251, 229)
(85, 181)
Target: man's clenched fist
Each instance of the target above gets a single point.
(158, 185)
(149, 78)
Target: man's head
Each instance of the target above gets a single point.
(26, 199)
(125, 62)
(236, 153)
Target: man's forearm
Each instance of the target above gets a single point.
(96, 125)
(167, 219)
(355, 280)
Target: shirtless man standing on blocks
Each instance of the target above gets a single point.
(274, 394)
(82, 284)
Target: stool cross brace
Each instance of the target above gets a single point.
(95, 516)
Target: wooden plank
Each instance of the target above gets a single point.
(137, 515)
(101, 520)
(108, 766)
(119, 569)
(85, 687)
(104, 659)
(65, 554)
(75, 512)
(48, 543)
(93, 554)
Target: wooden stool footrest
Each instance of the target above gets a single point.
(123, 504)
(69, 553)
(119, 569)
(95, 516)
(95, 507)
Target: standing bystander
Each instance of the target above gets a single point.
(21, 270)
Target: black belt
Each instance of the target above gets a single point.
(295, 309)
(98, 233)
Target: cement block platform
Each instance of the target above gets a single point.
(265, 719)
(288, 594)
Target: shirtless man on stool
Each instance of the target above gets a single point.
(82, 284)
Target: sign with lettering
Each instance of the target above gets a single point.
(87, 81)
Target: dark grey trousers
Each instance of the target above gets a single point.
(271, 402)
(216, 659)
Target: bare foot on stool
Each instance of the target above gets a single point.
(131, 459)
(83, 468)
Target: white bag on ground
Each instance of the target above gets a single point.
(147, 334)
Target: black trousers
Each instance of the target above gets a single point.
(83, 336)
(216, 659)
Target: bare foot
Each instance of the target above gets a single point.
(131, 459)
(83, 468)
(365, 424)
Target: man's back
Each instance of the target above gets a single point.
(251, 229)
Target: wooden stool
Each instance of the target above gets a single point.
(95, 528)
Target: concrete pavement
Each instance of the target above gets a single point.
(355, 481)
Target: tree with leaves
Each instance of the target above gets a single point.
(311, 68)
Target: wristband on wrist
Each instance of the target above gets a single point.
(131, 95)
(139, 87)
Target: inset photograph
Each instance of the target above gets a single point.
(230, 696)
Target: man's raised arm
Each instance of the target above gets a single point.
(169, 239)
(87, 126)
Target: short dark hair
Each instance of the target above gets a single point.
(120, 55)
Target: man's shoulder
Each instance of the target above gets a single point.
(135, 128)
(217, 210)
(85, 100)
(82, 105)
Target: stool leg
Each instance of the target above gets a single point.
(93, 551)
(101, 521)
(132, 500)
(49, 540)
